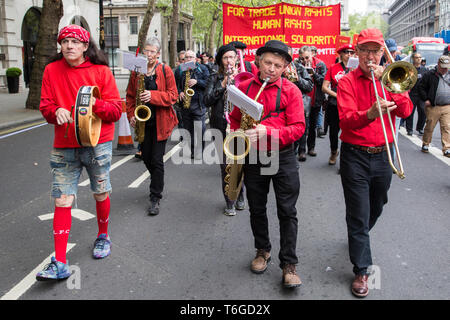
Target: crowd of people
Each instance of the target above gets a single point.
(300, 98)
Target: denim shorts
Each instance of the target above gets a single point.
(67, 164)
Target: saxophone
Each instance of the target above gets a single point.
(142, 113)
(234, 171)
(292, 75)
(188, 92)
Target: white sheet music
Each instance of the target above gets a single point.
(131, 62)
(187, 65)
(243, 102)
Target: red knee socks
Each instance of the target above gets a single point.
(103, 215)
(62, 221)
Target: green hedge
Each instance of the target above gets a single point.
(13, 72)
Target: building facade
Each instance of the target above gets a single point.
(413, 18)
(19, 25)
(344, 12)
(123, 19)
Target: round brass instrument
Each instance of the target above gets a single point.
(190, 92)
(399, 77)
(241, 141)
(142, 113)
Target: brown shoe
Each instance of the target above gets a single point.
(360, 287)
(290, 277)
(259, 264)
(333, 157)
(312, 153)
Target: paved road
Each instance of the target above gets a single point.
(192, 251)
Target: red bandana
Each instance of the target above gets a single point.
(74, 31)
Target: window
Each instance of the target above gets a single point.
(133, 25)
(180, 35)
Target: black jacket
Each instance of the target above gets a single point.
(304, 83)
(201, 74)
(420, 73)
(428, 86)
(215, 99)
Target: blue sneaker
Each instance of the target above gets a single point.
(102, 246)
(55, 270)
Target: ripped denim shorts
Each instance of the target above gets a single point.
(67, 164)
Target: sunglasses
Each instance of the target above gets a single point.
(348, 51)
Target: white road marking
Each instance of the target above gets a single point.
(23, 130)
(113, 166)
(76, 213)
(136, 183)
(418, 142)
(22, 287)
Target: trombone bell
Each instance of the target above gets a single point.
(399, 77)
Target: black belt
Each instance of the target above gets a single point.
(282, 151)
(371, 150)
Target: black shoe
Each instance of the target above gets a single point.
(409, 133)
(420, 132)
(153, 210)
(301, 157)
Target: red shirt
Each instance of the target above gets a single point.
(334, 74)
(355, 95)
(290, 124)
(60, 85)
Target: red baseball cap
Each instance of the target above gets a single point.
(371, 35)
(347, 46)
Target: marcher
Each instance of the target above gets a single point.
(78, 64)
(334, 74)
(365, 171)
(283, 116)
(434, 89)
(193, 113)
(317, 70)
(419, 104)
(215, 96)
(159, 95)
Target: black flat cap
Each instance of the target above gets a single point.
(238, 45)
(277, 47)
(222, 50)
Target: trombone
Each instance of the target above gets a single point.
(398, 77)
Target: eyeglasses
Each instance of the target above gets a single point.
(364, 51)
(151, 51)
(304, 58)
(348, 51)
(417, 57)
(189, 57)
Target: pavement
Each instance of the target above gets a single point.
(14, 115)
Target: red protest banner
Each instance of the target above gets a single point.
(295, 25)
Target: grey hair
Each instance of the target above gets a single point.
(154, 42)
(305, 49)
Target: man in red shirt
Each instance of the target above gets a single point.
(282, 123)
(78, 64)
(365, 172)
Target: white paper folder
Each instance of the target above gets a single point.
(242, 101)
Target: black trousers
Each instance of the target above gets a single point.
(152, 154)
(422, 118)
(192, 117)
(313, 115)
(286, 184)
(300, 144)
(332, 119)
(366, 179)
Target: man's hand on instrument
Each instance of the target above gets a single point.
(377, 69)
(258, 132)
(192, 82)
(63, 116)
(133, 121)
(386, 106)
(181, 96)
(146, 96)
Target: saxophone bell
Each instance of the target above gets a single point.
(142, 113)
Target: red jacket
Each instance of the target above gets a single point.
(290, 123)
(355, 95)
(163, 99)
(60, 85)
